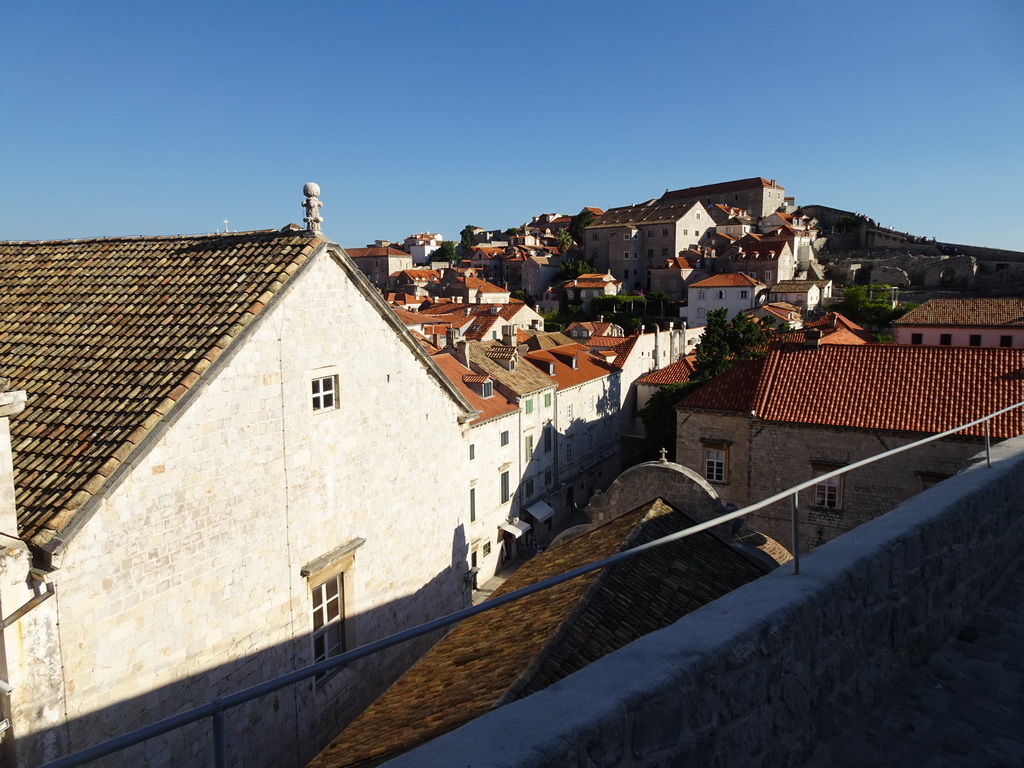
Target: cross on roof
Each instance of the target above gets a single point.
(663, 454)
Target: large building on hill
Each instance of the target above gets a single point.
(214, 481)
(629, 241)
(759, 197)
(804, 410)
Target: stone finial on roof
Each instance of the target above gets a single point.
(312, 206)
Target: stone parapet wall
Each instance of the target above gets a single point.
(763, 674)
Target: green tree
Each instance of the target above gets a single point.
(572, 269)
(724, 342)
(579, 223)
(564, 240)
(871, 305)
(468, 235)
(514, 232)
(659, 418)
(446, 252)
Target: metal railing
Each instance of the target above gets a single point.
(215, 710)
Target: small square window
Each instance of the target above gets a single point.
(594, 237)
(916, 338)
(1005, 341)
(324, 393)
(625, 235)
(625, 254)
(701, 293)
(945, 339)
(721, 294)
(828, 493)
(664, 251)
(744, 294)
(975, 340)
(504, 437)
(664, 233)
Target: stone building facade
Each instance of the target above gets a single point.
(766, 425)
(265, 517)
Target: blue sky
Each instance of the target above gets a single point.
(145, 118)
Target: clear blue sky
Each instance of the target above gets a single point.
(162, 118)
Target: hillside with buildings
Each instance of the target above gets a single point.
(236, 456)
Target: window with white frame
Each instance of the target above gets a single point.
(487, 388)
(330, 634)
(721, 294)
(328, 598)
(701, 293)
(744, 294)
(828, 492)
(701, 312)
(324, 393)
(716, 456)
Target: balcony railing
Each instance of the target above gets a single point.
(215, 710)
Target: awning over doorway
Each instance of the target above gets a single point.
(517, 528)
(541, 511)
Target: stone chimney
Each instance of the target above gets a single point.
(508, 335)
(453, 336)
(812, 339)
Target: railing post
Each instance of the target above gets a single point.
(220, 742)
(988, 445)
(795, 520)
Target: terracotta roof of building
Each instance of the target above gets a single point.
(107, 335)
(375, 252)
(463, 378)
(528, 644)
(524, 380)
(548, 339)
(680, 262)
(587, 367)
(874, 386)
(651, 212)
(728, 280)
(831, 322)
(673, 373)
(740, 185)
(976, 313)
(794, 286)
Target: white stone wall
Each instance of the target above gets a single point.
(734, 301)
(186, 583)
(491, 458)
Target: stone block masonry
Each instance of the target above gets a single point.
(762, 675)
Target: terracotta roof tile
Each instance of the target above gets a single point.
(976, 313)
(106, 335)
(721, 188)
(729, 280)
(875, 386)
(587, 367)
(526, 645)
(674, 373)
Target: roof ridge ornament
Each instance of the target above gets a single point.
(312, 206)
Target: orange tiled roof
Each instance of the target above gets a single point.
(106, 335)
(375, 252)
(975, 313)
(587, 367)
(875, 386)
(722, 188)
(462, 377)
(675, 373)
(728, 280)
